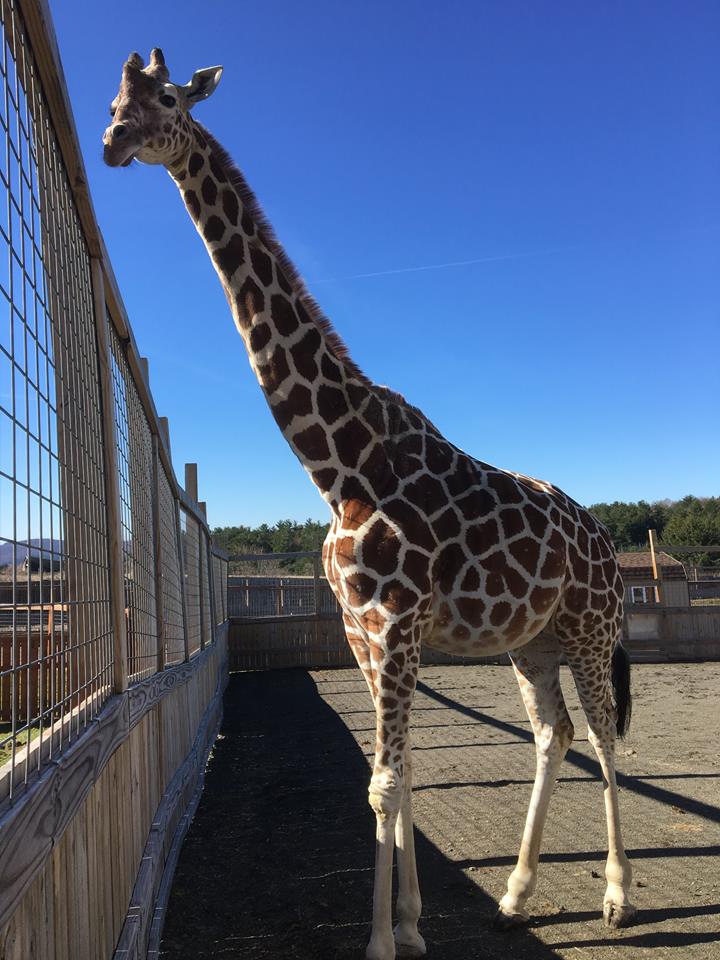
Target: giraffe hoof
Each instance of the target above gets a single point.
(508, 921)
(618, 915)
(409, 944)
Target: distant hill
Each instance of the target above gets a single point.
(34, 547)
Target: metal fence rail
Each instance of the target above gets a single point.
(107, 570)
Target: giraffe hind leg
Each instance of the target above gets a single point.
(592, 679)
(537, 668)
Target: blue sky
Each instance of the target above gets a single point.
(569, 151)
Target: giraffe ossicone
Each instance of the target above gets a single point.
(426, 544)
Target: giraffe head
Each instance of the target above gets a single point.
(150, 115)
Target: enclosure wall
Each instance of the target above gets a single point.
(113, 632)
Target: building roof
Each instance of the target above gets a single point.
(640, 565)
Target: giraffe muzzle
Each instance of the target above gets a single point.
(119, 145)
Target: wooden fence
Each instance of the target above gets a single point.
(278, 621)
(658, 634)
(113, 605)
(275, 622)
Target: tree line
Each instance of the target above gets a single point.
(690, 520)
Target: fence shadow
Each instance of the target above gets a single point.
(278, 860)
(637, 785)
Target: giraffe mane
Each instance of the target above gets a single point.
(335, 342)
(251, 204)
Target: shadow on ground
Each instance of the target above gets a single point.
(278, 860)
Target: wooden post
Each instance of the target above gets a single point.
(165, 431)
(657, 571)
(191, 481)
(157, 541)
(112, 485)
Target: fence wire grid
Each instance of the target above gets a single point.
(58, 650)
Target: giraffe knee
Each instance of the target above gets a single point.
(385, 794)
(565, 732)
(555, 739)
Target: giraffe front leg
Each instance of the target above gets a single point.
(385, 798)
(408, 940)
(389, 796)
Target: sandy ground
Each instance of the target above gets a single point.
(278, 861)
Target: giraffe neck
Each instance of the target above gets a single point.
(324, 406)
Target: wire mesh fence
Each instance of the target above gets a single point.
(173, 632)
(55, 641)
(68, 382)
(190, 538)
(135, 471)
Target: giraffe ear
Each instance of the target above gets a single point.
(203, 83)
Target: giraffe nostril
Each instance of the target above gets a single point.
(119, 131)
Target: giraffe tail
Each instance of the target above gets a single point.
(621, 688)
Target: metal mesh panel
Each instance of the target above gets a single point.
(173, 628)
(224, 588)
(55, 633)
(135, 467)
(205, 604)
(218, 587)
(190, 533)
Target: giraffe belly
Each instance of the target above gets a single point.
(469, 626)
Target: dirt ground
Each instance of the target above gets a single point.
(278, 861)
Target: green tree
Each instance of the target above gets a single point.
(695, 520)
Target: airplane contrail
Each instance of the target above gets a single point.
(610, 241)
(442, 266)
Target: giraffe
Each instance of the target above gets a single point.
(426, 544)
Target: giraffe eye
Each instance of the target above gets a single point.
(166, 100)
(113, 111)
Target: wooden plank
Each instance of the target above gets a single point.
(185, 786)
(144, 695)
(94, 869)
(80, 766)
(39, 817)
(62, 947)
